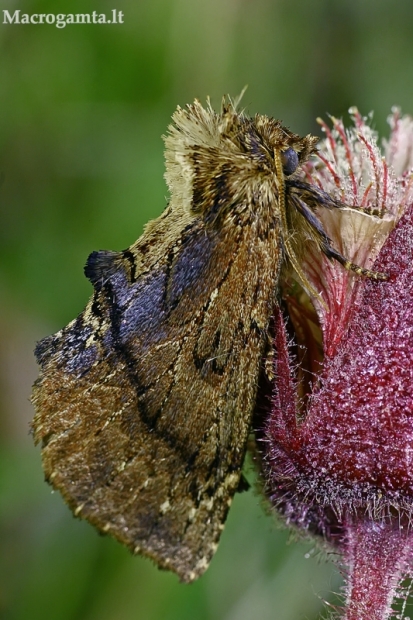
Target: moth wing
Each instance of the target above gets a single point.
(144, 401)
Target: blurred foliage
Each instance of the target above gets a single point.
(82, 112)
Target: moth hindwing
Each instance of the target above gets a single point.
(144, 402)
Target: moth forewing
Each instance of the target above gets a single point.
(144, 402)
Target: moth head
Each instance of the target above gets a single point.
(271, 137)
(290, 161)
(216, 162)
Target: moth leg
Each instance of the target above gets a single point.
(330, 252)
(315, 197)
(327, 248)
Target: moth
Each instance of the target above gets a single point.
(144, 401)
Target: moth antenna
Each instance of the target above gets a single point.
(284, 226)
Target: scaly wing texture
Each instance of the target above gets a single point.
(144, 401)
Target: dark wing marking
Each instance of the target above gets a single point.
(144, 401)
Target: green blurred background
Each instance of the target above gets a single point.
(81, 117)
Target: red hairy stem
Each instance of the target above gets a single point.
(337, 450)
(377, 555)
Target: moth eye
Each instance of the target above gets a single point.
(289, 160)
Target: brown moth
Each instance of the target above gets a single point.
(144, 402)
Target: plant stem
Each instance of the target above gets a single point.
(377, 554)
